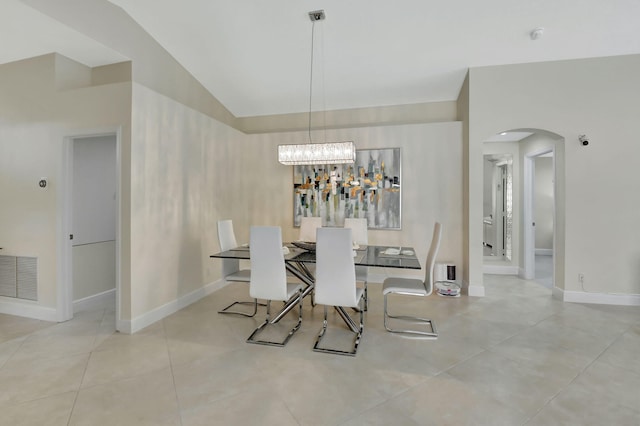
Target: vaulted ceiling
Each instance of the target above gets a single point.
(254, 55)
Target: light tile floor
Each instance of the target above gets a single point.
(544, 270)
(514, 357)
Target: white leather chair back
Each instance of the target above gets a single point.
(431, 257)
(268, 274)
(308, 226)
(335, 270)
(227, 241)
(359, 231)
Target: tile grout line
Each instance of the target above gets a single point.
(173, 378)
(15, 352)
(86, 367)
(84, 372)
(596, 358)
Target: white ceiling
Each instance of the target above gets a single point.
(509, 137)
(253, 55)
(25, 33)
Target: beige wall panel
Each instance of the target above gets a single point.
(596, 97)
(185, 171)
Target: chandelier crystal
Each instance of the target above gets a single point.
(316, 153)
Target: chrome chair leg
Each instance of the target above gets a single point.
(356, 329)
(366, 297)
(253, 337)
(366, 300)
(433, 334)
(255, 304)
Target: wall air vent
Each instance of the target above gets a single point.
(19, 277)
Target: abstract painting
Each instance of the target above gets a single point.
(369, 188)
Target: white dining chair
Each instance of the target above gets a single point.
(414, 287)
(308, 226)
(269, 278)
(336, 283)
(231, 267)
(360, 237)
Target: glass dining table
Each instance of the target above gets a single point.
(297, 262)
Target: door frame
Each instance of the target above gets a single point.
(65, 222)
(501, 211)
(528, 209)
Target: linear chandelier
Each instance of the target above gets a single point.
(316, 153)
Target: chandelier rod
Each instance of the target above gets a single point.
(313, 26)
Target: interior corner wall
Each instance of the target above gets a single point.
(601, 194)
(189, 171)
(35, 118)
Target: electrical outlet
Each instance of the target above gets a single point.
(581, 278)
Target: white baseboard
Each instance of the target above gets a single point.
(474, 290)
(597, 298)
(522, 275)
(90, 302)
(557, 293)
(544, 252)
(28, 309)
(148, 318)
(499, 269)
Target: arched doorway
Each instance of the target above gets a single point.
(513, 230)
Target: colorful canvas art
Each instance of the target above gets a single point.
(369, 188)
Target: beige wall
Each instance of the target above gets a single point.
(431, 112)
(185, 169)
(189, 171)
(597, 97)
(35, 118)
